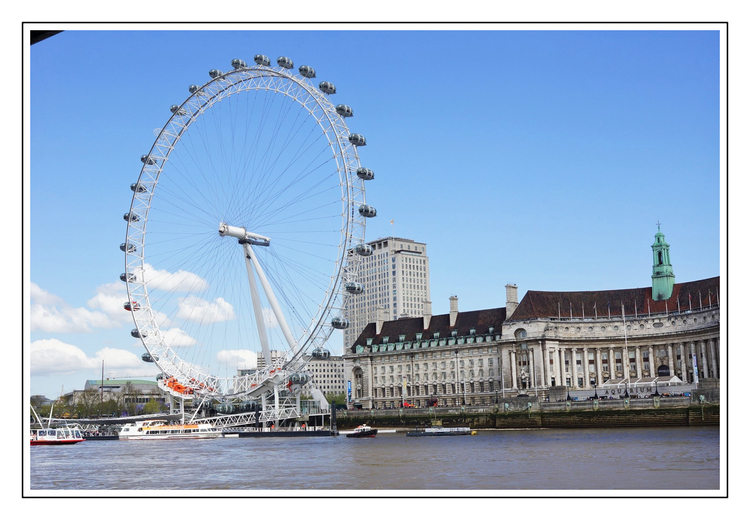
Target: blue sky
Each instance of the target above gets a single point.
(540, 158)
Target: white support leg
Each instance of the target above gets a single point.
(257, 309)
(274, 303)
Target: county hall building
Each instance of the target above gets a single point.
(667, 333)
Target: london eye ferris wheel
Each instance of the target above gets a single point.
(244, 232)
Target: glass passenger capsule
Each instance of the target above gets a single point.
(238, 64)
(195, 89)
(131, 217)
(298, 379)
(129, 277)
(353, 287)
(367, 211)
(357, 139)
(131, 306)
(320, 353)
(344, 110)
(327, 87)
(307, 71)
(365, 174)
(363, 249)
(260, 59)
(214, 73)
(137, 187)
(338, 323)
(146, 159)
(224, 408)
(177, 110)
(127, 248)
(137, 334)
(285, 62)
(147, 357)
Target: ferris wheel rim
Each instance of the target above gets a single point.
(147, 328)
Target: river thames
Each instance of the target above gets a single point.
(677, 461)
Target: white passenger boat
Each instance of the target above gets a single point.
(147, 430)
(440, 432)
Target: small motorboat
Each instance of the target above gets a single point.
(363, 431)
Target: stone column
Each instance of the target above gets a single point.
(683, 364)
(368, 392)
(638, 362)
(651, 365)
(703, 368)
(692, 353)
(625, 363)
(585, 365)
(670, 353)
(573, 368)
(598, 360)
(513, 369)
(714, 345)
(611, 362)
(561, 356)
(537, 371)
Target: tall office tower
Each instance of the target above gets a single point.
(396, 277)
(275, 355)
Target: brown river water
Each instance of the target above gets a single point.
(621, 461)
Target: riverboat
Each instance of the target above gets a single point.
(154, 430)
(363, 431)
(57, 436)
(441, 432)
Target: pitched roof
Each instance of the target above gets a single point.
(546, 304)
(481, 321)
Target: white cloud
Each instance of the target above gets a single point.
(43, 297)
(242, 359)
(50, 313)
(109, 299)
(52, 356)
(178, 338)
(197, 310)
(181, 281)
(123, 360)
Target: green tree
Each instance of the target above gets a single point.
(130, 396)
(338, 398)
(153, 405)
(87, 403)
(112, 406)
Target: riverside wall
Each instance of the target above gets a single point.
(529, 412)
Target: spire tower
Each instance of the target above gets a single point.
(662, 276)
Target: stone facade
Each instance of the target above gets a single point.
(478, 357)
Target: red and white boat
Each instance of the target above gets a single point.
(66, 434)
(56, 436)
